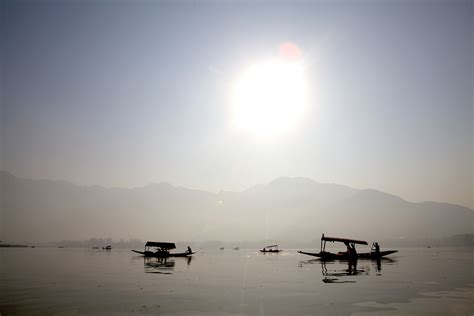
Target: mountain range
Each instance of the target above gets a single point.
(284, 209)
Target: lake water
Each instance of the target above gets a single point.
(68, 281)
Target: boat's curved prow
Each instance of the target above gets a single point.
(310, 253)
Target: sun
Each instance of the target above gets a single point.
(270, 97)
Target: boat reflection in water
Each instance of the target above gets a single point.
(377, 264)
(344, 271)
(335, 275)
(162, 265)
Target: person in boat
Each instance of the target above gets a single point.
(348, 248)
(376, 249)
(189, 250)
(351, 251)
(161, 251)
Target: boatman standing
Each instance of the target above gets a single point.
(351, 251)
(376, 249)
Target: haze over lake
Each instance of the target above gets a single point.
(286, 209)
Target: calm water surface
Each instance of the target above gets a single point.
(52, 281)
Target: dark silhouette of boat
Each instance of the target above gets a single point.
(272, 248)
(12, 246)
(162, 250)
(350, 254)
(109, 247)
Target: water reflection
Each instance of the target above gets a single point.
(335, 275)
(159, 265)
(344, 271)
(163, 265)
(377, 264)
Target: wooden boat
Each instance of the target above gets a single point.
(272, 248)
(324, 255)
(373, 255)
(159, 254)
(344, 256)
(162, 250)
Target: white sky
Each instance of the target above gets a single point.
(127, 93)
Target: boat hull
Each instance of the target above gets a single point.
(265, 251)
(344, 256)
(163, 255)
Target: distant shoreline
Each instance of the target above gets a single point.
(13, 246)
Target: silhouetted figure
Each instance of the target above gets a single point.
(161, 251)
(353, 250)
(376, 249)
(189, 250)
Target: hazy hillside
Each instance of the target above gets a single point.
(286, 208)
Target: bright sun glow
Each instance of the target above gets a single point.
(269, 98)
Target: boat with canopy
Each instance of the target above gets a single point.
(271, 248)
(162, 249)
(351, 253)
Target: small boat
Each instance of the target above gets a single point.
(221, 248)
(351, 254)
(272, 248)
(109, 247)
(162, 250)
(236, 248)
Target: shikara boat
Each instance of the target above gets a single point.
(161, 250)
(272, 248)
(350, 255)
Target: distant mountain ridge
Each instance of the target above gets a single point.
(286, 208)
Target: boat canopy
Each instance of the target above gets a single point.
(344, 240)
(272, 246)
(162, 245)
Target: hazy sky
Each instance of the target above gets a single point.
(124, 93)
